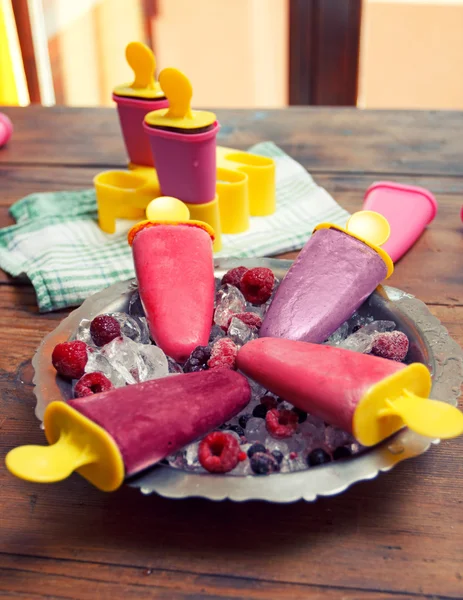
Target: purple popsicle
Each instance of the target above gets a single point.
(150, 420)
(332, 276)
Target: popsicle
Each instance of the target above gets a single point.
(408, 209)
(333, 275)
(175, 271)
(135, 100)
(367, 396)
(114, 435)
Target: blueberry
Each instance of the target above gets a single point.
(243, 420)
(260, 411)
(263, 464)
(256, 448)
(236, 428)
(301, 415)
(318, 457)
(278, 456)
(341, 452)
(356, 328)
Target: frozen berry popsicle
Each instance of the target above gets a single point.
(113, 435)
(365, 395)
(333, 275)
(175, 272)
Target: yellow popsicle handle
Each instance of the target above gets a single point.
(142, 62)
(166, 208)
(47, 464)
(431, 418)
(369, 225)
(178, 90)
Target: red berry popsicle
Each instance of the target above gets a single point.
(175, 272)
(367, 396)
(113, 435)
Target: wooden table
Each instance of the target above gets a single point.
(398, 536)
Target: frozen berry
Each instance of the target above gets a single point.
(341, 452)
(242, 456)
(104, 329)
(219, 452)
(301, 415)
(268, 401)
(263, 464)
(243, 420)
(390, 344)
(223, 354)
(256, 448)
(318, 457)
(70, 358)
(281, 423)
(234, 276)
(292, 455)
(197, 360)
(257, 285)
(92, 383)
(252, 320)
(235, 428)
(260, 411)
(355, 328)
(278, 456)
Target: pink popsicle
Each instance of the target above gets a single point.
(175, 272)
(150, 420)
(325, 381)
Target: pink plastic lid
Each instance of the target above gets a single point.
(402, 187)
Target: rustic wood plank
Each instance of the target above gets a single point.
(30, 575)
(323, 139)
(409, 520)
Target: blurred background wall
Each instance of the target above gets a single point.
(238, 53)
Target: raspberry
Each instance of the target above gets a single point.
(391, 344)
(242, 456)
(263, 464)
(223, 354)
(219, 452)
(250, 319)
(257, 285)
(70, 358)
(281, 423)
(234, 276)
(197, 360)
(268, 401)
(104, 329)
(92, 383)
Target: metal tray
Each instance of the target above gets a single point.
(430, 344)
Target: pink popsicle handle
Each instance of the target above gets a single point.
(409, 209)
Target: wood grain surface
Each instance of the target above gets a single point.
(398, 536)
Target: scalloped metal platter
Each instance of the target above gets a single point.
(430, 344)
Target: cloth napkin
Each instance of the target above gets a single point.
(58, 245)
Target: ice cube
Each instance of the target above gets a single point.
(98, 362)
(313, 434)
(177, 460)
(216, 333)
(256, 430)
(83, 332)
(152, 363)
(279, 445)
(135, 305)
(335, 437)
(122, 354)
(378, 327)
(239, 332)
(191, 456)
(257, 390)
(298, 463)
(339, 335)
(130, 327)
(358, 342)
(229, 301)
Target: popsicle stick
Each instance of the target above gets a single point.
(431, 418)
(178, 90)
(142, 62)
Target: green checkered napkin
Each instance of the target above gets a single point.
(58, 245)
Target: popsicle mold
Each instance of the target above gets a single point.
(124, 195)
(408, 209)
(233, 194)
(261, 178)
(209, 213)
(135, 100)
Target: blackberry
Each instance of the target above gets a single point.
(197, 360)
